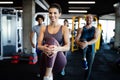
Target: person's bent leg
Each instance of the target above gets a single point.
(54, 62)
(63, 70)
(84, 60)
(49, 66)
(50, 60)
(90, 59)
(83, 52)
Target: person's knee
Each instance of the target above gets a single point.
(51, 41)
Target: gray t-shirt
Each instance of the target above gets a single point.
(36, 29)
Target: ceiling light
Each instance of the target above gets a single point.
(78, 11)
(81, 2)
(45, 3)
(6, 2)
(116, 4)
(79, 7)
(41, 4)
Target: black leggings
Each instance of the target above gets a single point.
(90, 54)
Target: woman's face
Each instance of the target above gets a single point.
(54, 14)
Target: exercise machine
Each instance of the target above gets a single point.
(75, 25)
(8, 25)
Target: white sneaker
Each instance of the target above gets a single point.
(48, 78)
(38, 75)
(51, 77)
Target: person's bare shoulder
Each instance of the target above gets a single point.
(43, 27)
(80, 29)
(97, 29)
(65, 28)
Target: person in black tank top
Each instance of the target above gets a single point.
(51, 41)
(85, 39)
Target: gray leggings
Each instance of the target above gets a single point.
(56, 62)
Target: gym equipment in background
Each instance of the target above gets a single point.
(29, 58)
(9, 24)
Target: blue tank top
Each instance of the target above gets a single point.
(88, 34)
(58, 36)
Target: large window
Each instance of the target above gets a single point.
(108, 27)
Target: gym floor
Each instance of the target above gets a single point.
(104, 68)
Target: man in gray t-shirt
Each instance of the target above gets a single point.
(36, 29)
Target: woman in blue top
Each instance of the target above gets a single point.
(53, 36)
(85, 39)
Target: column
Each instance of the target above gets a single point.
(117, 25)
(28, 15)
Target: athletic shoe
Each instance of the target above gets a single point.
(48, 78)
(84, 64)
(38, 75)
(63, 72)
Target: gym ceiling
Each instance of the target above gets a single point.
(101, 7)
